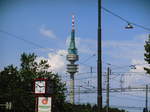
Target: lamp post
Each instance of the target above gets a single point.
(99, 61)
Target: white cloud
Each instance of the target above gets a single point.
(118, 51)
(139, 65)
(125, 49)
(47, 32)
(57, 61)
(142, 37)
(138, 74)
(136, 79)
(46, 49)
(129, 52)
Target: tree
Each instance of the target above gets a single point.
(147, 54)
(16, 85)
(31, 69)
(86, 108)
(9, 84)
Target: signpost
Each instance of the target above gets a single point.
(43, 89)
(44, 104)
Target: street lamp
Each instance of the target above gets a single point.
(99, 60)
(129, 26)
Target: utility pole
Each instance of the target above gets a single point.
(146, 99)
(121, 83)
(79, 94)
(99, 61)
(107, 88)
(91, 71)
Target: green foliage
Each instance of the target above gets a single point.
(16, 85)
(147, 54)
(85, 108)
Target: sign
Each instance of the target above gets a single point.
(44, 104)
(40, 86)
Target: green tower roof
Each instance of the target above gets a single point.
(72, 47)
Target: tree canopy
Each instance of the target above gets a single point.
(16, 84)
(147, 53)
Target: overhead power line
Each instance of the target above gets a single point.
(22, 39)
(107, 10)
(127, 98)
(87, 59)
(128, 107)
(125, 20)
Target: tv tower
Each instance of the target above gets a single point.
(72, 57)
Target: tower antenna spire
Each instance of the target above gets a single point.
(73, 20)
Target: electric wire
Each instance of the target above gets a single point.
(22, 39)
(127, 98)
(88, 58)
(123, 19)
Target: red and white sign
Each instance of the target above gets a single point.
(44, 104)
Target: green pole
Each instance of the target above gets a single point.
(99, 61)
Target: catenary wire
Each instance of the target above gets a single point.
(123, 19)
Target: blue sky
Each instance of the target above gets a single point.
(25, 19)
(48, 24)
